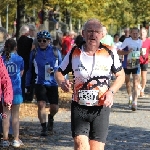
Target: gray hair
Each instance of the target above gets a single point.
(126, 29)
(32, 27)
(134, 28)
(4, 31)
(91, 20)
(24, 29)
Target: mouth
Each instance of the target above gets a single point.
(92, 40)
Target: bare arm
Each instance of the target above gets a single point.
(120, 78)
(122, 52)
(59, 77)
(62, 82)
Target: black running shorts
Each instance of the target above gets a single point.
(47, 93)
(132, 71)
(92, 121)
(144, 67)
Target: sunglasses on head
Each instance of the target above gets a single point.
(44, 41)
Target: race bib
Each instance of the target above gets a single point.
(88, 97)
(133, 60)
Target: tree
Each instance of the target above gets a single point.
(119, 13)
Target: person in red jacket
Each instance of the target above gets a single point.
(66, 44)
(144, 59)
(6, 93)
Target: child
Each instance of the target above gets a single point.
(14, 64)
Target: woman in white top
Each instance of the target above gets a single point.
(117, 45)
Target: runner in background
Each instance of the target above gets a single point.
(130, 48)
(107, 39)
(144, 59)
(45, 63)
(117, 45)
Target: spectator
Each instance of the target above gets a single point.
(13, 60)
(126, 34)
(32, 31)
(3, 37)
(66, 44)
(7, 92)
(24, 45)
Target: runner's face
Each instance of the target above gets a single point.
(93, 34)
(104, 31)
(134, 34)
(43, 43)
(116, 38)
(143, 34)
(127, 33)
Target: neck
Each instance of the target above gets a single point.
(143, 39)
(90, 50)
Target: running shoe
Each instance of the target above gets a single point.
(5, 143)
(44, 132)
(134, 106)
(16, 143)
(50, 123)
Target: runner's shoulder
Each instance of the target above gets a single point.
(108, 47)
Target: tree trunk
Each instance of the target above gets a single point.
(20, 16)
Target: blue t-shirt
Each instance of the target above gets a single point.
(14, 67)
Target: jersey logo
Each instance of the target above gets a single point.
(11, 68)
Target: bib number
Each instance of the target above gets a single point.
(88, 97)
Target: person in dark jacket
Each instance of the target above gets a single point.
(126, 34)
(24, 45)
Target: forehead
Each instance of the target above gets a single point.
(93, 25)
(126, 30)
(144, 31)
(134, 31)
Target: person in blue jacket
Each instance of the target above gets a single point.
(45, 61)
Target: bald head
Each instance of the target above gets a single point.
(92, 21)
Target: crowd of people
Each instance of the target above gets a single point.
(35, 65)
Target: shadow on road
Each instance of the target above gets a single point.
(127, 138)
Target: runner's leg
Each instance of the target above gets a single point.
(15, 121)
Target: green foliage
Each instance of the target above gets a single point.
(113, 14)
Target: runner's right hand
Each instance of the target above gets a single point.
(66, 85)
(130, 50)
